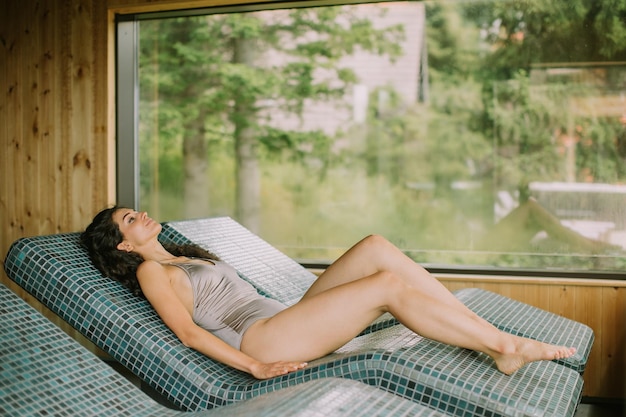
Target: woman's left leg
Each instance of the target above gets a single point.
(376, 254)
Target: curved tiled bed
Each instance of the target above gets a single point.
(56, 270)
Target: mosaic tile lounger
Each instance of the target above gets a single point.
(276, 275)
(43, 372)
(57, 271)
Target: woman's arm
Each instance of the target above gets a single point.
(157, 288)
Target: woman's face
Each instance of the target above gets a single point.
(136, 227)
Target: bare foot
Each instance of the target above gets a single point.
(528, 350)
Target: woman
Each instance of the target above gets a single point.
(193, 291)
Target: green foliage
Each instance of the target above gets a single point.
(538, 31)
(530, 123)
(598, 155)
(524, 127)
(487, 121)
(190, 69)
(452, 40)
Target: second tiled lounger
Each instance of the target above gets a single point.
(56, 270)
(43, 372)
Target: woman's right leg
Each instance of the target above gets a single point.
(320, 324)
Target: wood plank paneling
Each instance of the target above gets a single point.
(612, 362)
(590, 311)
(53, 116)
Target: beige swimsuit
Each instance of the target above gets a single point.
(224, 304)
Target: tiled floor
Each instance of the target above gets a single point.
(600, 410)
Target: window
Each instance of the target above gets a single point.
(472, 134)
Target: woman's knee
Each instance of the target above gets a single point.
(375, 243)
(390, 283)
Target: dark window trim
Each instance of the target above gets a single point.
(127, 113)
(506, 272)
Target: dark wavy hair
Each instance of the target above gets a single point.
(103, 235)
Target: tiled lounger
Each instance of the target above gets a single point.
(56, 270)
(43, 372)
(276, 275)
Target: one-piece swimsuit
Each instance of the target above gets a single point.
(224, 304)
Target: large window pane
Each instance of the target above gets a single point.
(471, 134)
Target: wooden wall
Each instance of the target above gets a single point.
(57, 156)
(53, 117)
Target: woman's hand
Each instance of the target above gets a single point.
(269, 370)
